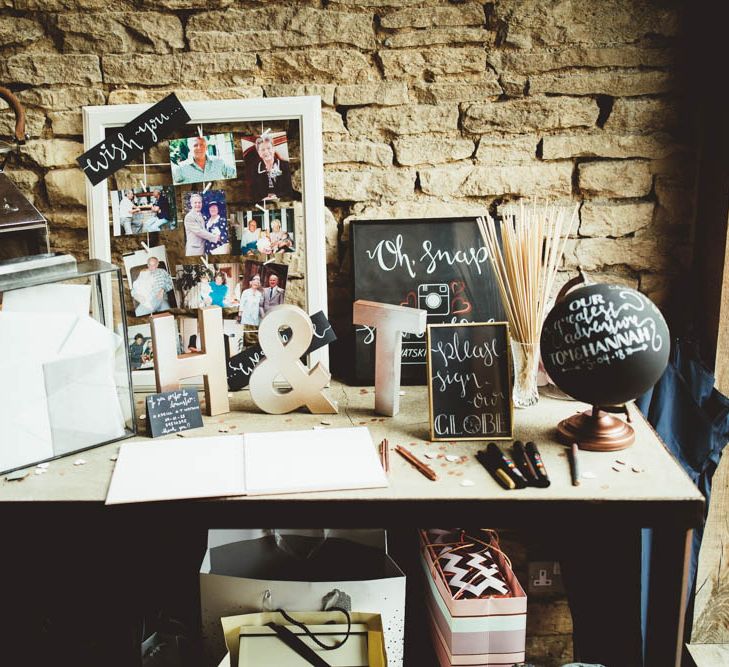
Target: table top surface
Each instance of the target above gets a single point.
(604, 479)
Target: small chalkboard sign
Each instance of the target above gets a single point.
(123, 144)
(173, 411)
(469, 381)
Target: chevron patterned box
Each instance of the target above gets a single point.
(476, 606)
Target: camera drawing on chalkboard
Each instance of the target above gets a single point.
(434, 298)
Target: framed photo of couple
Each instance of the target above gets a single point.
(242, 184)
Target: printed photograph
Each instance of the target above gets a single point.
(206, 224)
(265, 232)
(232, 331)
(143, 210)
(203, 159)
(202, 286)
(150, 282)
(266, 165)
(261, 287)
(141, 354)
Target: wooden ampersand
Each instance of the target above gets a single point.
(170, 368)
(390, 322)
(283, 360)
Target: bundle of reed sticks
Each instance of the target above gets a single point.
(526, 249)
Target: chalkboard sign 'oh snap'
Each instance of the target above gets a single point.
(173, 411)
(469, 381)
(124, 144)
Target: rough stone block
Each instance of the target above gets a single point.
(638, 254)
(531, 113)
(152, 95)
(465, 14)
(382, 94)
(141, 69)
(445, 181)
(66, 187)
(323, 90)
(276, 27)
(365, 185)
(16, 31)
(318, 65)
(619, 178)
(365, 152)
(442, 93)
(120, 32)
(528, 180)
(53, 152)
(618, 83)
(614, 218)
(421, 206)
(433, 63)
(61, 99)
(604, 144)
(67, 123)
(506, 150)
(642, 115)
(385, 122)
(332, 121)
(675, 201)
(48, 69)
(536, 60)
(432, 150)
(436, 36)
(34, 122)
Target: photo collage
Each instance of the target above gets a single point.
(218, 227)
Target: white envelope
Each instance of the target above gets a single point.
(63, 395)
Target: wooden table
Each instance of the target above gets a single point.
(661, 496)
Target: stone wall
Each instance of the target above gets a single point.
(431, 108)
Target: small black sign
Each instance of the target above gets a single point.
(469, 381)
(124, 144)
(173, 411)
(241, 365)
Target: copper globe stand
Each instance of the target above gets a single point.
(597, 431)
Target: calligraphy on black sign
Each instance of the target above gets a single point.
(240, 366)
(124, 144)
(469, 381)
(440, 265)
(173, 411)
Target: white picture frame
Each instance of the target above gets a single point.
(305, 109)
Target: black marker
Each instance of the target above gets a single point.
(496, 472)
(524, 464)
(536, 460)
(500, 460)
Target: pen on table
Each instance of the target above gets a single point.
(525, 464)
(501, 461)
(499, 474)
(417, 463)
(575, 465)
(535, 459)
(385, 455)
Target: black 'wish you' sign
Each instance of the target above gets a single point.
(126, 143)
(469, 381)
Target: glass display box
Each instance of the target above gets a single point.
(66, 377)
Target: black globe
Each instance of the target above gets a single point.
(605, 344)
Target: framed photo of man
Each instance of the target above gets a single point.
(218, 207)
(150, 283)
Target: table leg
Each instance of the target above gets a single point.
(667, 597)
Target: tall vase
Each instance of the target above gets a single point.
(526, 364)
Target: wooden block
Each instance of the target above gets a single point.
(391, 322)
(170, 368)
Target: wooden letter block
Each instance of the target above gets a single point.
(391, 322)
(170, 368)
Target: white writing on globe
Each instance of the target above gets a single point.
(597, 332)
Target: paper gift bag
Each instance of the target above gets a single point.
(481, 628)
(250, 643)
(246, 572)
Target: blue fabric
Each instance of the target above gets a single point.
(692, 418)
